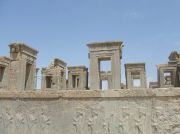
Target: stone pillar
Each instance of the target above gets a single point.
(43, 79)
(36, 78)
(23, 66)
(94, 72)
(109, 78)
(70, 85)
(129, 81)
(143, 79)
(116, 70)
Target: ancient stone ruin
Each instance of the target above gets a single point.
(54, 76)
(72, 100)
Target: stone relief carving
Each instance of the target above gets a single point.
(140, 122)
(157, 120)
(78, 121)
(1, 123)
(111, 123)
(20, 120)
(92, 122)
(32, 120)
(172, 119)
(120, 127)
(165, 119)
(133, 119)
(116, 122)
(8, 120)
(44, 121)
(24, 120)
(105, 126)
(125, 120)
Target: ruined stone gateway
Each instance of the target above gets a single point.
(73, 105)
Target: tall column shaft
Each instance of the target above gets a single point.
(94, 72)
(116, 73)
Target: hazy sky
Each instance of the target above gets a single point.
(150, 29)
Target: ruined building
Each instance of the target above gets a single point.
(54, 76)
(78, 78)
(135, 75)
(18, 72)
(101, 52)
(168, 74)
(72, 99)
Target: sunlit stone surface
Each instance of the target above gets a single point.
(72, 106)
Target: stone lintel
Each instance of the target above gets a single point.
(49, 72)
(22, 47)
(134, 65)
(165, 65)
(103, 46)
(77, 68)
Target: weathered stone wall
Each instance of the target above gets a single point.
(147, 111)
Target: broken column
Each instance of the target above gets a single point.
(54, 76)
(104, 51)
(135, 75)
(23, 66)
(77, 78)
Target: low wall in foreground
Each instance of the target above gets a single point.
(150, 111)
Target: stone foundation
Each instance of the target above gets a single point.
(149, 111)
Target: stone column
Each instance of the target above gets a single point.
(70, 86)
(161, 78)
(94, 72)
(64, 80)
(22, 55)
(129, 80)
(36, 78)
(43, 79)
(116, 77)
(82, 80)
(143, 79)
(109, 81)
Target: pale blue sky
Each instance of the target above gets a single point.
(150, 29)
